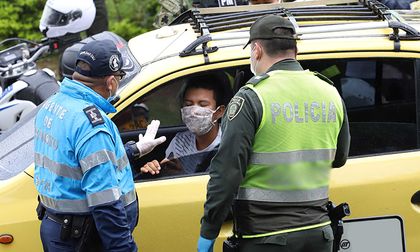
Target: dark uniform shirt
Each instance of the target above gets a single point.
(228, 167)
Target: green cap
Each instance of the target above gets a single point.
(263, 28)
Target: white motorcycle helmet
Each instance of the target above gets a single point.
(66, 16)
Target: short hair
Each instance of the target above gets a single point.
(274, 47)
(83, 65)
(218, 83)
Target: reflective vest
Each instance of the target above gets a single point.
(295, 144)
(61, 130)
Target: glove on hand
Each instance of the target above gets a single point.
(205, 245)
(148, 142)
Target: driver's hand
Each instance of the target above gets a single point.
(151, 167)
(148, 142)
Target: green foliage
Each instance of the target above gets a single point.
(129, 18)
(20, 18)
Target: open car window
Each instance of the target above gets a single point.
(195, 164)
(163, 103)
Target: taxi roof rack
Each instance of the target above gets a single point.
(344, 12)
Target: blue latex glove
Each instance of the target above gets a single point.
(205, 245)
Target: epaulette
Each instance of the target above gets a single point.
(94, 115)
(256, 79)
(324, 78)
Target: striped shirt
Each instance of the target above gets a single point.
(183, 147)
(183, 144)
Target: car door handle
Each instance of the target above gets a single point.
(416, 198)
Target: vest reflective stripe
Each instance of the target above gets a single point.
(292, 156)
(101, 157)
(295, 143)
(129, 197)
(288, 230)
(57, 168)
(257, 194)
(103, 197)
(80, 206)
(65, 205)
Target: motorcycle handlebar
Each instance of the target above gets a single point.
(38, 52)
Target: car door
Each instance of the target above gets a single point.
(171, 204)
(381, 179)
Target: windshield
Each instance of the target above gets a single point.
(17, 147)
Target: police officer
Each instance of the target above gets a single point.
(282, 133)
(82, 173)
(100, 23)
(218, 3)
(398, 4)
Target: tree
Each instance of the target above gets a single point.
(129, 18)
(20, 18)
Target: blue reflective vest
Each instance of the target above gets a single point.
(80, 160)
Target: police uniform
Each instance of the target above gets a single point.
(82, 171)
(100, 23)
(282, 133)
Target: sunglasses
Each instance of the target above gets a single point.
(120, 75)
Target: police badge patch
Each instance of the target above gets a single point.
(94, 115)
(235, 107)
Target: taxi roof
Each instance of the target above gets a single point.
(204, 31)
(204, 36)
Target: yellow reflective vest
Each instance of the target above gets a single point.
(295, 144)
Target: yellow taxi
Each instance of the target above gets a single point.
(372, 54)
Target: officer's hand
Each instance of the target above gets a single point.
(151, 167)
(205, 245)
(148, 142)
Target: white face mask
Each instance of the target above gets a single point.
(199, 120)
(253, 66)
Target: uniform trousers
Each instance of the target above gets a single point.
(312, 240)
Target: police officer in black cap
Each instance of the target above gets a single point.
(282, 134)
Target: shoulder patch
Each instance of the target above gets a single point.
(256, 79)
(94, 115)
(322, 77)
(234, 107)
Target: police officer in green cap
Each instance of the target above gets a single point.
(282, 134)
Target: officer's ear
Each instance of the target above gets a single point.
(111, 82)
(258, 50)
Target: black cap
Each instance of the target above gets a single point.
(102, 56)
(263, 28)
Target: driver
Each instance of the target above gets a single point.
(203, 100)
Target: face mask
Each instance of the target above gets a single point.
(199, 120)
(113, 98)
(253, 66)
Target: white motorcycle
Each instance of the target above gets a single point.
(23, 86)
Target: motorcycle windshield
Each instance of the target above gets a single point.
(17, 147)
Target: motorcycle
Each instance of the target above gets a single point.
(23, 85)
